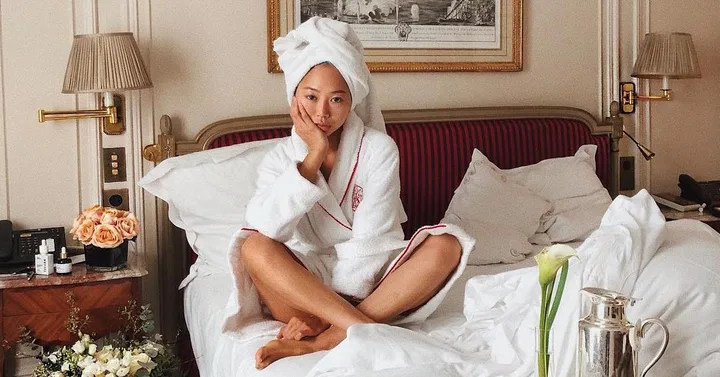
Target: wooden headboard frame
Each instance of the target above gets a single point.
(167, 145)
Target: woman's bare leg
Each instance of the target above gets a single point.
(289, 290)
(298, 324)
(435, 259)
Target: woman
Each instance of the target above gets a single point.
(323, 248)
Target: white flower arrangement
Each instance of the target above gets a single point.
(86, 359)
(131, 352)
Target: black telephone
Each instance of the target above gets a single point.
(702, 192)
(18, 248)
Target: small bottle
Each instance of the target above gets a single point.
(43, 260)
(51, 249)
(64, 264)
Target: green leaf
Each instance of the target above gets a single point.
(558, 294)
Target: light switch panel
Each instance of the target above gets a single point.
(114, 166)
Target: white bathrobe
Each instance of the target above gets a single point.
(345, 230)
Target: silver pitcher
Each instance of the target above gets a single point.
(608, 344)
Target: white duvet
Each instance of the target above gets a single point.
(675, 269)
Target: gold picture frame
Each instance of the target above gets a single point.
(451, 56)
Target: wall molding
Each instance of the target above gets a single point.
(4, 183)
(641, 26)
(85, 21)
(609, 54)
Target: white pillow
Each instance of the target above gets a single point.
(494, 210)
(573, 219)
(570, 183)
(494, 243)
(556, 178)
(207, 193)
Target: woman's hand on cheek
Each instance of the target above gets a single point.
(308, 131)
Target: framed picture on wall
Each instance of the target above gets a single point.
(417, 35)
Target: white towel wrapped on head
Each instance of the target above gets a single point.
(319, 40)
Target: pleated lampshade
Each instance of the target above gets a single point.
(667, 55)
(103, 63)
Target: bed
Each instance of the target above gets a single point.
(489, 167)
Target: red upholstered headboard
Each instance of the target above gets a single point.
(436, 151)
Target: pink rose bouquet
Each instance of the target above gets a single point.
(104, 227)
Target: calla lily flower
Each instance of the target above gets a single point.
(550, 259)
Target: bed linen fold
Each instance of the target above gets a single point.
(502, 310)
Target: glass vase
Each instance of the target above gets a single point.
(106, 259)
(544, 365)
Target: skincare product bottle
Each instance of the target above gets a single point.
(51, 249)
(43, 260)
(64, 264)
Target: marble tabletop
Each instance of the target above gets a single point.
(79, 275)
(672, 214)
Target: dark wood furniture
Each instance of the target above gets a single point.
(41, 304)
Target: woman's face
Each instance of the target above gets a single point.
(325, 96)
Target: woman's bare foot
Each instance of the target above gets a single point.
(278, 349)
(300, 327)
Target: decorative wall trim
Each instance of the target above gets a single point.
(85, 21)
(4, 183)
(641, 26)
(609, 54)
(160, 285)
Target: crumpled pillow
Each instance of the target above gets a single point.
(571, 185)
(499, 214)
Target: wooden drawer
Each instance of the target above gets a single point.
(52, 328)
(53, 299)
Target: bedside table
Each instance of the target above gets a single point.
(41, 303)
(672, 214)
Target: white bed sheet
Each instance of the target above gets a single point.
(206, 296)
(680, 286)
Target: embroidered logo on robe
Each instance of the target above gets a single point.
(357, 197)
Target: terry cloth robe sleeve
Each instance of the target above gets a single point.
(376, 229)
(282, 197)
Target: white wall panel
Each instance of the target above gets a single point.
(41, 159)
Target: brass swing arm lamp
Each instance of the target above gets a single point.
(110, 112)
(102, 63)
(662, 56)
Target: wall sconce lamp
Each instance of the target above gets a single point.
(663, 56)
(102, 63)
